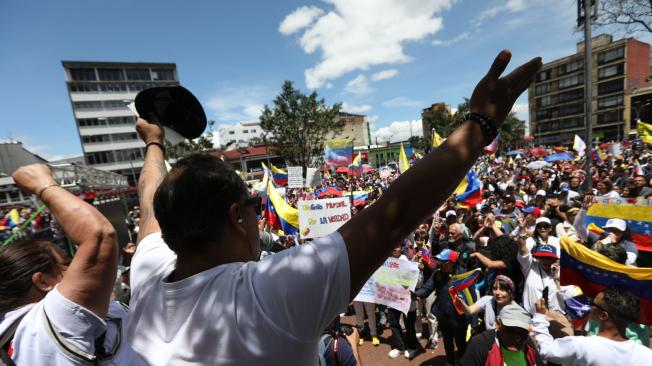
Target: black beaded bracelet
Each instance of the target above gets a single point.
(156, 144)
(487, 124)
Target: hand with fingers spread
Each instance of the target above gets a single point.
(494, 96)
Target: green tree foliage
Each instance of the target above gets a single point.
(420, 143)
(512, 132)
(297, 125)
(187, 147)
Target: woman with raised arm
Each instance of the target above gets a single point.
(54, 311)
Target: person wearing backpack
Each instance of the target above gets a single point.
(338, 346)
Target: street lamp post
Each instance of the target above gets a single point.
(584, 15)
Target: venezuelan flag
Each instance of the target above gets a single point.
(338, 152)
(403, 162)
(638, 217)
(468, 192)
(493, 147)
(460, 284)
(592, 272)
(280, 176)
(355, 168)
(599, 156)
(288, 216)
(13, 218)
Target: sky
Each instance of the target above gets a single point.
(387, 59)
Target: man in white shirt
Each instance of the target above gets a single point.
(199, 295)
(615, 309)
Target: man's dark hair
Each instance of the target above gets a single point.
(192, 203)
(18, 262)
(622, 305)
(616, 253)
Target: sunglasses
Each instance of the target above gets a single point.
(546, 226)
(600, 308)
(257, 202)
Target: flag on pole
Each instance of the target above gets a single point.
(403, 162)
(286, 216)
(436, 139)
(338, 152)
(644, 131)
(355, 168)
(460, 284)
(579, 146)
(280, 176)
(493, 147)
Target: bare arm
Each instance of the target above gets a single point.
(151, 175)
(490, 264)
(89, 279)
(369, 236)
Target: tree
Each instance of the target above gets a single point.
(439, 119)
(187, 147)
(419, 143)
(633, 15)
(512, 132)
(297, 125)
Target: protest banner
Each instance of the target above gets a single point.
(313, 177)
(391, 285)
(295, 177)
(319, 218)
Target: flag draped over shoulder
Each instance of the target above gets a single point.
(592, 272)
(403, 162)
(644, 131)
(468, 192)
(338, 152)
(638, 217)
(460, 284)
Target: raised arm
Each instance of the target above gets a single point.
(89, 279)
(151, 175)
(370, 235)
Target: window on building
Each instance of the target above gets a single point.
(573, 122)
(113, 88)
(100, 157)
(609, 71)
(611, 86)
(129, 154)
(117, 121)
(3, 197)
(253, 130)
(543, 75)
(570, 67)
(231, 132)
(544, 101)
(162, 74)
(570, 95)
(87, 105)
(124, 136)
(90, 122)
(114, 104)
(544, 114)
(95, 139)
(138, 74)
(542, 89)
(570, 81)
(572, 108)
(83, 88)
(610, 117)
(110, 74)
(609, 102)
(82, 74)
(613, 54)
(14, 196)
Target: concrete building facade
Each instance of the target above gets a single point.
(99, 93)
(556, 97)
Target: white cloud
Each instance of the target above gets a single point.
(299, 19)
(402, 102)
(510, 6)
(346, 107)
(454, 40)
(384, 75)
(359, 85)
(372, 119)
(356, 35)
(398, 131)
(329, 86)
(234, 104)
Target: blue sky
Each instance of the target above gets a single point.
(387, 59)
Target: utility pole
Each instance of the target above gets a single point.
(584, 16)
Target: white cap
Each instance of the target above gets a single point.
(450, 213)
(541, 192)
(616, 224)
(543, 220)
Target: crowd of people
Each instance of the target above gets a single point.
(199, 292)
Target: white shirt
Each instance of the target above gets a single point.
(77, 325)
(594, 350)
(535, 280)
(269, 312)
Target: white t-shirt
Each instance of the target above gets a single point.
(78, 326)
(535, 280)
(594, 350)
(270, 312)
(486, 303)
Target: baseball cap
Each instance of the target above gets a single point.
(545, 251)
(513, 315)
(573, 210)
(174, 107)
(447, 255)
(541, 192)
(450, 213)
(543, 220)
(616, 224)
(532, 210)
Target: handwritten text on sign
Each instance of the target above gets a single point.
(391, 284)
(319, 218)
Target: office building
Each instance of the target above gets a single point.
(556, 98)
(240, 134)
(99, 93)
